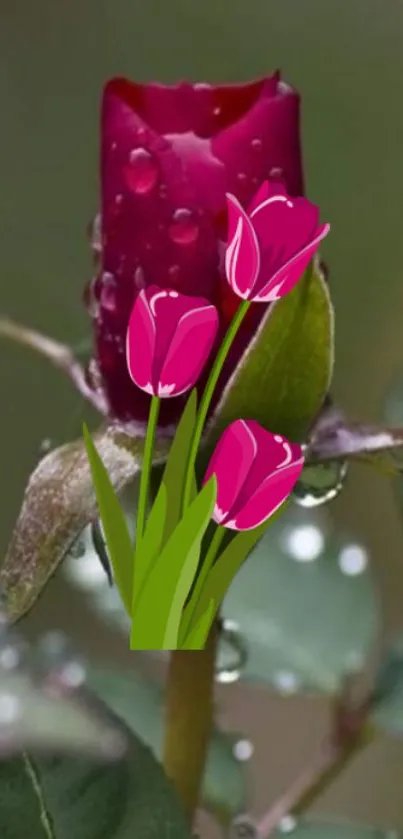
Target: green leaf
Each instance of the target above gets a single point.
(387, 700)
(156, 618)
(61, 798)
(118, 541)
(59, 502)
(152, 539)
(140, 703)
(318, 828)
(306, 615)
(198, 632)
(284, 375)
(175, 469)
(227, 566)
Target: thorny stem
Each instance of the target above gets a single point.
(349, 737)
(60, 355)
(189, 718)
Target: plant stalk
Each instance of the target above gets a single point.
(189, 719)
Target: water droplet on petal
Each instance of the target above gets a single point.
(256, 144)
(217, 111)
(108, 292)
(142, 172)
(174, 273)
(91, 301)
(96, 234)
(276, 173)
(321, 483)
(241, 177)
(184, 228)
(139, 278)
(232, 654)
(163, 191)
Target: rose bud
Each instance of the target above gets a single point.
(169, 339)
(255, 472)
(270, 246)
(169, 155)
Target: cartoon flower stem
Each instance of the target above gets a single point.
(208, 393)
(208, 562)
(146, 469)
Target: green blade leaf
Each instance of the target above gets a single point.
(156, 618)
(226, 567)
(151, 542)
(59, 502)
(305, 618)
(175, 469)
(139, 702)
(284, 375)
(199, 630)
(119, 544)
(61, 798)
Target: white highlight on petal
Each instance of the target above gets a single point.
(218, 514)
(353, 560)
(165, 390)
(154, 299)
(304, 543)
(231, 257)
(173, 293)
(287, 449)
(273, 199)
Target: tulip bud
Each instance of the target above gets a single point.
(169, 339)
(255, 472)
(271, 245)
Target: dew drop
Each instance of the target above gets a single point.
(108, 292)
(243, 827)
(232, 654)
(174, 272)
(139, 278)
(91, 301)
(45, 445)
(320, 484)
(184, 228)
(78, 548)
(217, 111)
(241, 177)
(256, 144)
(96, 234)
(142, 172)
(243, 750)
(276, 173)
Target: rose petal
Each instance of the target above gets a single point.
(242, 258)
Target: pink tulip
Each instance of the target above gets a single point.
(255, 472)
(169, 339)
(270, 246)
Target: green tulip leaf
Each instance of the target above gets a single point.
(285, 373)
(118, 541)
(200, 628)
(151, 542)
(176, 465)
(303, 607)
(139, 702)
(60, 797)
(158, 608)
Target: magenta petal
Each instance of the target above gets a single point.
(140, 344)
(269, 496)
(287, 277)
(242, 258)
(231, 462)
(189, 349)
(283, 226)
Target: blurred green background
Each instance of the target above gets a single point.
(346, 58)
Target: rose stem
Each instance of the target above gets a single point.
(189, 718)
(208, 393)
(212, 552)
(60, 355)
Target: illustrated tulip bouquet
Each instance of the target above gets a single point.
(174, 581)
(211, 368)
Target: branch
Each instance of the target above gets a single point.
(60, 355)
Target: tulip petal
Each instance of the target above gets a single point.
(283, 226)
(189, 350)
(269, 496)
(231, 463)
(287, 277)
(140, 344)
(242, 258)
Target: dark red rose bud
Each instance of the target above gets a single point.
(168, 157)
